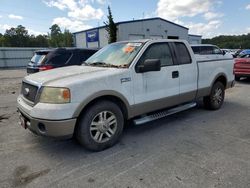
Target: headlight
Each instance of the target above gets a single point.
(55, 95)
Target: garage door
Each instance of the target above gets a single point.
(135, 37)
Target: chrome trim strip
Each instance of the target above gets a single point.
(211, 60)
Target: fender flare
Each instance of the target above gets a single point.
(101, 94)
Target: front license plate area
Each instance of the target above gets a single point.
(22, 121)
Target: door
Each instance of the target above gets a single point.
(160, 89)
(188, 73)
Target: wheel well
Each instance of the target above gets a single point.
(222, 79)
(111, 98)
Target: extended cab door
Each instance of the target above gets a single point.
(188, 72)
(159, 89)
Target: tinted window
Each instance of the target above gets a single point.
(86, 54)
(206, 50)
(217, 50)
(196, 49)
(59, 59)
(182, 53)
(159, 51)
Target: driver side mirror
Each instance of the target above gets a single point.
(149, 65)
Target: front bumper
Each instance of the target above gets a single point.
(57, 128)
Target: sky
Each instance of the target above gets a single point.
(208, 18)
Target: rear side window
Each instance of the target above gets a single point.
(84, 55)
(216, 50)
(159, 51)
(59, 59)
(39, 58)
(206, 50)
(182, 53)
(196, 49)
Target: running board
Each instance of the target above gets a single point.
(163, 114)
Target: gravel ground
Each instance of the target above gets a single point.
(195, 148)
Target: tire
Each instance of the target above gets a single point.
(100, 126)
(216, 98)
(237, 78)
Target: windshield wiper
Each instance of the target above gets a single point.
(103, 64)
(100, 63)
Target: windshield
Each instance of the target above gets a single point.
(115, 55)
(38, 58)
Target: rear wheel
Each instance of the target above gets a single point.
(100, 126)
(216, 98)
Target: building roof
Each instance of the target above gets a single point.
(132, 21)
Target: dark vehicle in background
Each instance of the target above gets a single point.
(59, 57)
(236, 54)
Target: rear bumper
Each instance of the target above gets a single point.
(58, 129)
(243, 74)
(31, 70)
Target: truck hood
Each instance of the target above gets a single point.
(60, 74)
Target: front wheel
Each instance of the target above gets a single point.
(100, 126)
(216, 98)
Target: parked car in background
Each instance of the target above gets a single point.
(242, 67)
(244, 53)
(229, 51)
(59, 57)
(237, 53)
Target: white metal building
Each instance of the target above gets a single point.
(152, 28)
(194, 39)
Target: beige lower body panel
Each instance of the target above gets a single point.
(58, 129)
(143, 108)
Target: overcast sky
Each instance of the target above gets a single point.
(203, 17)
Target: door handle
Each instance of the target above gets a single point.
(175, 74)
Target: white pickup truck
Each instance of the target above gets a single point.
(141, 80)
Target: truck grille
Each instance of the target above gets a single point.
(29, 91)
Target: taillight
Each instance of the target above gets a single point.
(45, 67)
(234, 67)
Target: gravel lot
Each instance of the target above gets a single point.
(196, 148)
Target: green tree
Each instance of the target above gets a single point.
(55, 36)
(55, 30)
(111, 27)
(59, 39)
(233, 41)
(67, 38)
(38, 41)
(16, 37)
(1, 40)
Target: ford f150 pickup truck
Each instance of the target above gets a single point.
(141, 80)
